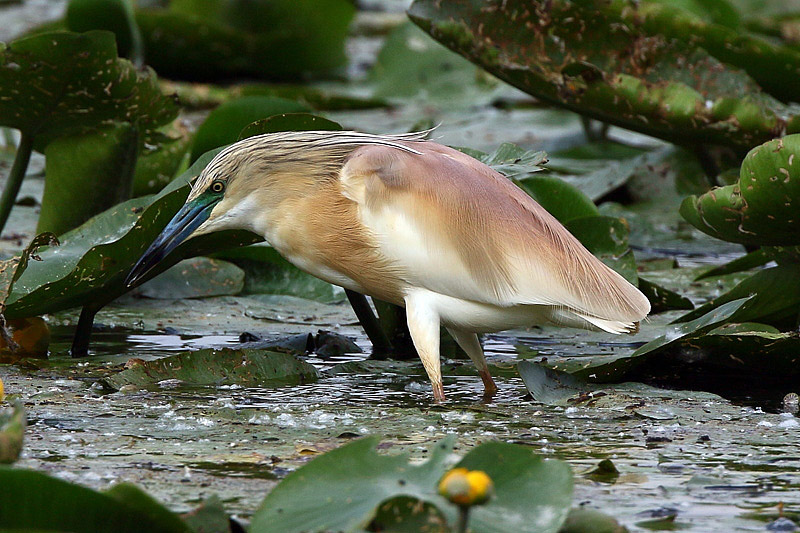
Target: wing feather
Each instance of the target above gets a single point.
(457, 227)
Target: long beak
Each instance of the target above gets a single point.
(185, 221)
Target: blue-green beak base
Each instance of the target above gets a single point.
(183, 224)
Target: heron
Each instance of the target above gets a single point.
(411, 222)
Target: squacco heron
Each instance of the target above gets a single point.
(411, 222)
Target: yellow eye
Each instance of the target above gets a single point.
(217, 186)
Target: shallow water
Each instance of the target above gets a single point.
(718, 465)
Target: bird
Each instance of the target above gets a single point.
(412, 222)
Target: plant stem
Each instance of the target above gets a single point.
(83, 332)
(380, 342)
(14, 181)
(463, 518)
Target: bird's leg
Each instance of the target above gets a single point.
(470, 343)
(423, 324)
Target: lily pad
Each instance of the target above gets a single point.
(343, 489)
(773, 298)
(115, 16)
(412, 66)
(246, 367)
(33, 501)
(12, 433)
(289, 122)
(621, 367)
(761, 208)
(223, 39)
(652, 74)
(87, 174)
(197, 277)
(59, 84)
(549, 386)
(224, 124)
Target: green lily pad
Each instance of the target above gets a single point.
(412, 66)
(289, 122)
(774, 297)
(620, 367)
(33, 501)
(591, 521)
(549, 386)
(761, 208)
(12, 433)
(753, 259)
(561, 199)
(223, 39)
(209, 517)
(344, 489)
(224, 124)
(512, 161)
(661, 298)
(87, 174)
(246, 367)
(59, 84)
(197, 277)
(667, 85)
(115, 16)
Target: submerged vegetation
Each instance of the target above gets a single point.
(664, 135)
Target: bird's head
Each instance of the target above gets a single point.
(217, 197)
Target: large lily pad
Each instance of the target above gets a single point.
(221, 39)
(112, 15)
(87, 174)
(412, 66)
(761, 208)
(774, 298)
(58, 84)
(33, 501)
(196, 277)
(246, 367)
(224, 124)
(648, 74)
(342, 490)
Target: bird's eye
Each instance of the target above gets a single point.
(217, 186)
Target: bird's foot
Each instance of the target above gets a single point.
(438, 392)
(489, 388)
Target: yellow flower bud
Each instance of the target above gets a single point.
(466, 487)
(2, 392)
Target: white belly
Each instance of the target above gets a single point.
(480, 317)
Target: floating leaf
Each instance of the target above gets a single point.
(762, 207)
(115, 16)
(582, 520)
(33, 501)
(197, 277)
(774, 297)
(12, 433)
(58, 84)
(411, 65)
(343, 489)
(224, 124)
(245, 367)
(753, 259)
(661, 298)
(289, 122)
(617, 369)
(559, 198)
(224, 39)
(87, 174)
(549, 386)
(652, 73)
